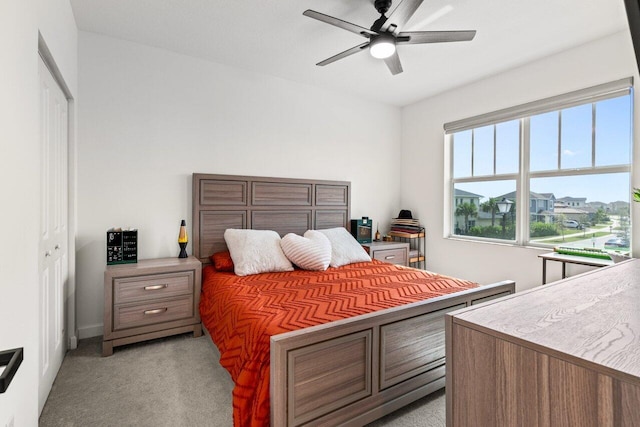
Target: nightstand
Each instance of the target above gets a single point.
(391, 252)
(151, 299)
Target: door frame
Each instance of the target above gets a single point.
(72, 173)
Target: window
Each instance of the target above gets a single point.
(566, 160)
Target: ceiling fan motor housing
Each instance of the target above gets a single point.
(382, 6)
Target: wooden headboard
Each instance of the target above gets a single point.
(284, 205)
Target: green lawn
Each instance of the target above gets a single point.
(573, 237)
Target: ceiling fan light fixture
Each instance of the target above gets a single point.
(382, 47)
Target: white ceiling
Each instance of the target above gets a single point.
(273, 37)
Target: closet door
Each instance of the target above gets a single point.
(53, 255)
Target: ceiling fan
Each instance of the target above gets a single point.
(385, 33)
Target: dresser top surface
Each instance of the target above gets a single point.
(150, 266)
(593, 316)
(386, 245)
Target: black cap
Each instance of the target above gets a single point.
(405, 214)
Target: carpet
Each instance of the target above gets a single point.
(173, 381)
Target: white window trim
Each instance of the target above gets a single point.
(523, 177)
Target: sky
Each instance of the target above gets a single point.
(567, 134)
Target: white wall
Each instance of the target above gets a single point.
(20, 21)
(150, 118)
(605, 60)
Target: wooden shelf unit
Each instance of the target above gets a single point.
(417, 246)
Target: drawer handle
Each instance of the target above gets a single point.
(155, 287)
(156, 311)
(390, 257)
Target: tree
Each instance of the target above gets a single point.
(600, 216)
(584, 219)
(466, 210)
(491, 205)
(560, 218)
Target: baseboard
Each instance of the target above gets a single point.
(73, 341)
(90, 331)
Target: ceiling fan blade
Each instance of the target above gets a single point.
(393, 62)
(401, 15)
(344, 54)
(365, 32)
(417, 37)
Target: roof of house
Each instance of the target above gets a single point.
(569, 210)
(463, 193)
(569, 198)
(533, 195)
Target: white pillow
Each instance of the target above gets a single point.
(256, 251)
(344, 248)
(311, 252)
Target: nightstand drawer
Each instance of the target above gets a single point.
(131, 316)
(393, 256)
(145, 288)
(150, 299)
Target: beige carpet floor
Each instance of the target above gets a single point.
(175, 381)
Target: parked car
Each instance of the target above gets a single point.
(616, 243)
(571, 223)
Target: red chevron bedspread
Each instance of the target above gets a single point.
(241, 313)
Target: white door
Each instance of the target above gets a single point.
(53, 262)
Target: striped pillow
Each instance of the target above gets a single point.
(311, 252)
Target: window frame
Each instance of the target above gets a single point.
(524, 175)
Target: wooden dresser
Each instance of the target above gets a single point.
(391, 252)
(151, 299)
(565, 354)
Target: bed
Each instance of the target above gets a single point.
(338, 370)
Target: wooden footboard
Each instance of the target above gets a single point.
(353, 371)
